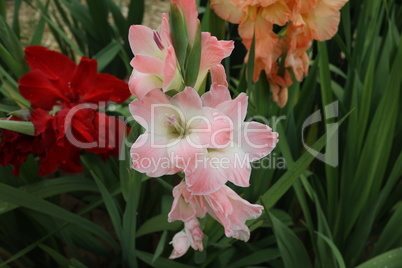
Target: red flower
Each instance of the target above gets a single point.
(54, 79)
(65, 97)
(15, 147)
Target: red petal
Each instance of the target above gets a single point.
(84, 77)
(40, 119)
(36, 87)
(106, 88)
(54, 64)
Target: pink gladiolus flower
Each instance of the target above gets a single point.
(155, 64)
(251, 141)
(224, 205)
(177, 129)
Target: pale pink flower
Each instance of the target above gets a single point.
(176, 130)
(212, 53)
(155, 64)
(224, 205)
(192, 236)
(180, 245)
(232, 211)
(251, 141)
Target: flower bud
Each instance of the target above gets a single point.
(180, 245)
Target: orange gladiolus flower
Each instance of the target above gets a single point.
(301, 22)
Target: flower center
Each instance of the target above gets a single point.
(176, 126)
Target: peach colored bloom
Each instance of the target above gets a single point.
(303, 22)
(322, 20)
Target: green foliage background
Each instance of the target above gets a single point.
(315, 215)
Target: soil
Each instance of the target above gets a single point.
(29, 17)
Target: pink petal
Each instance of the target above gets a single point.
(171, 74)
(213, 51)
(218, 75)
(142, 41)
(188, 101)
(147, 64)
(204, 180)
(194, 234)
(216, 95)
(149, 110)
(256, 140)
(182, 209)
(214, 168)
(165, 31)
(235, 109)
(234, 223)
(150, 159)
(180, 244)
(140, 84)
(183, 152)
(213, 128)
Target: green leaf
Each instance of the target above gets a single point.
(157, 224)
(257, 257)
(335, 250)
(135, 12)
(3, 9)
(13, 195)
(74, 263)
(107, 54)
(8, 108)
(327, 98)
(39, 29)
(60, 259)
(391, 236)
(131, 182)
(32, 246)
(390, 259)
(293, 252)
(110, 206)
(48, 188)
(59, 30)
(286, 181)
(178, 32)
(160, 247)
(193, 61)
(159, 262)
(16, 17)
(18, 126)
(15, 66)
